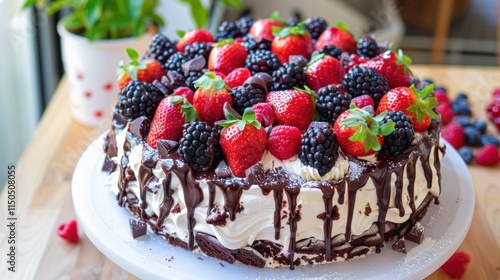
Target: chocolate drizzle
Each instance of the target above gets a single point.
(232, 191)
(278, 202)
(291, 194)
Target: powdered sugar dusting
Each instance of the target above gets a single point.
(355, 170)
(415, 252)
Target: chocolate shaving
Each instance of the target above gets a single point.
(298, 60)
(256, 175)
(399, 245)
(222, 170)
(140, 127)
(416, 234)
(176, 79)
(266, 78)
(166, 147)
(137, 228)
(257, 82)
(195, 64)
(231, 110)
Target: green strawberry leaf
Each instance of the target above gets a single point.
(248, 117)
(275, 16)
(316, 57)
(344, 27)
(360, 134)
(223, 42)
(180, 33)
(403, 59)
(424, 104)
(387, 128)
(188, 111)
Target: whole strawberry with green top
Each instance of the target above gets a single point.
(324, 70)
(243, 142)
(359, 133)
(196, 35)
(210, 96)
(226, 56)
(263, 28)
(170, 116)
(144, 71)
(417, 105)
(293, 40)
(393, 66)
(338, 36)
(293, 107)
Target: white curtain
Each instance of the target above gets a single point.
(19, 91)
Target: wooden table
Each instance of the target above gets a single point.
(44, 201)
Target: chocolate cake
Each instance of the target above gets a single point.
(301, 188)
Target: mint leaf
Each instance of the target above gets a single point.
(134, 56)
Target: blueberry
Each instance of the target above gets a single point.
(440, 88)
(461, 107)
(462, 120)
(490, 139)
(461, 96)
(480, 125)
(472, 136)
(427, 81)
(466, 154)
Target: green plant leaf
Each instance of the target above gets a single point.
(156, 18)
(198, 12)
(28, 3)
(94, 12)
(135, 9)
(57, 6)
(232, 3)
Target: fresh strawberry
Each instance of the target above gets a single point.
(454, 134)
(393, 66)
(292, 41)
(488, 155)
(324, 70)
(349, 61)
(227, 56)
(292, 107)
(446, 111)
(363, 101)
(196, 35)
(457, 264)
(170, 116)
(284, 141)
(210, 96)
(68, 231)
(417, 105)
(338, 36)
(186, 92)
(237, 77)
(243, 142)
(360, 134)
(264, 113)
(263, 28)
(493, 113)
(144, 71)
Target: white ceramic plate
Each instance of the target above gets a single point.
(150, 257)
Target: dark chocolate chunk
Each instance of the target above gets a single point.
(176, 79)
(399, 245)
(165, 147)
(342, 249)
(195, 64)
(227, 107)
(137, 228)
(310, 245)
(257, 82)
(338, 239)
(266, 78)
(416, 233)
(161, 87)
(212, 247)
(373, 240)
(222, 170)
(108, 165)
(256, 175)
(298, 60)
(140, 127)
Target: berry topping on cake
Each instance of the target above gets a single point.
(174, 63)
(393, 66)
(264, 113)
(284, 141)
(324, 70)
(365, 81)
(332, 101)
(138, 99)
(289, 76)
(488, 155)
(144, 71)
(255, 44)
(237, 77)
(454, 134)
(262, 61)
(363, 101)
(360, 134)
(401, 137)
(68, 231)
(332, 51)
(418, 105)
(160, 48)
(169, 119)
(292, 41)
(338, 36)
(198, 145)
(198, 48)
(210, 96)
(227, 56)
(243, 141)
(246, 96)
(319, 149)
(196, 35)
(457, 264)
(292, 107)
(367, 47)
(227, 30)
(264, 27)
(186, 92)
(244, 24)
(315, 26)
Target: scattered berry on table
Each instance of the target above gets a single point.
(446, 111)
(480, 125)
(289, 76)
(367, 47)
(401, 137)
(68, 231)
(490, 139)
(138, 99)
(441, 96)
(456, 265)
(488, 155)
(466, 154)
(461, 107)
(284, 141)
(332, 101)
(454, 134)
(472, 136)
(198, 145)
(319, 149)
(365, 81)
(462, 120)
(262, 61)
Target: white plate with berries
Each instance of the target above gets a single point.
(150, 257)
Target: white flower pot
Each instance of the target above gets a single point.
(91, 71)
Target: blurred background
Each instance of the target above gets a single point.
(450, 32)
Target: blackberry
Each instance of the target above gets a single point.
(226, 30)
(138, 99)
(174, 63)
(319, 149)
(332, 101)
(293, 21)
(367, 47)
(401, 137)
(198, 48)
(191, 77)
(288, 76)
(160, 48)
(315, 26)
(252, 45)
(361, 80)
(262, 61)
(244, 24)
(246, 96)
(198, 145)
(332, 51)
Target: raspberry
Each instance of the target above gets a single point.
(186, 92)
(454, 134)
(237, 77)
(363, 101)
(488, 155)
(68, 231)
(284, 141)
(493, 113)
(441, 96)
(264, 113)
(457, 264)
(446, 111)
(496, 95)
